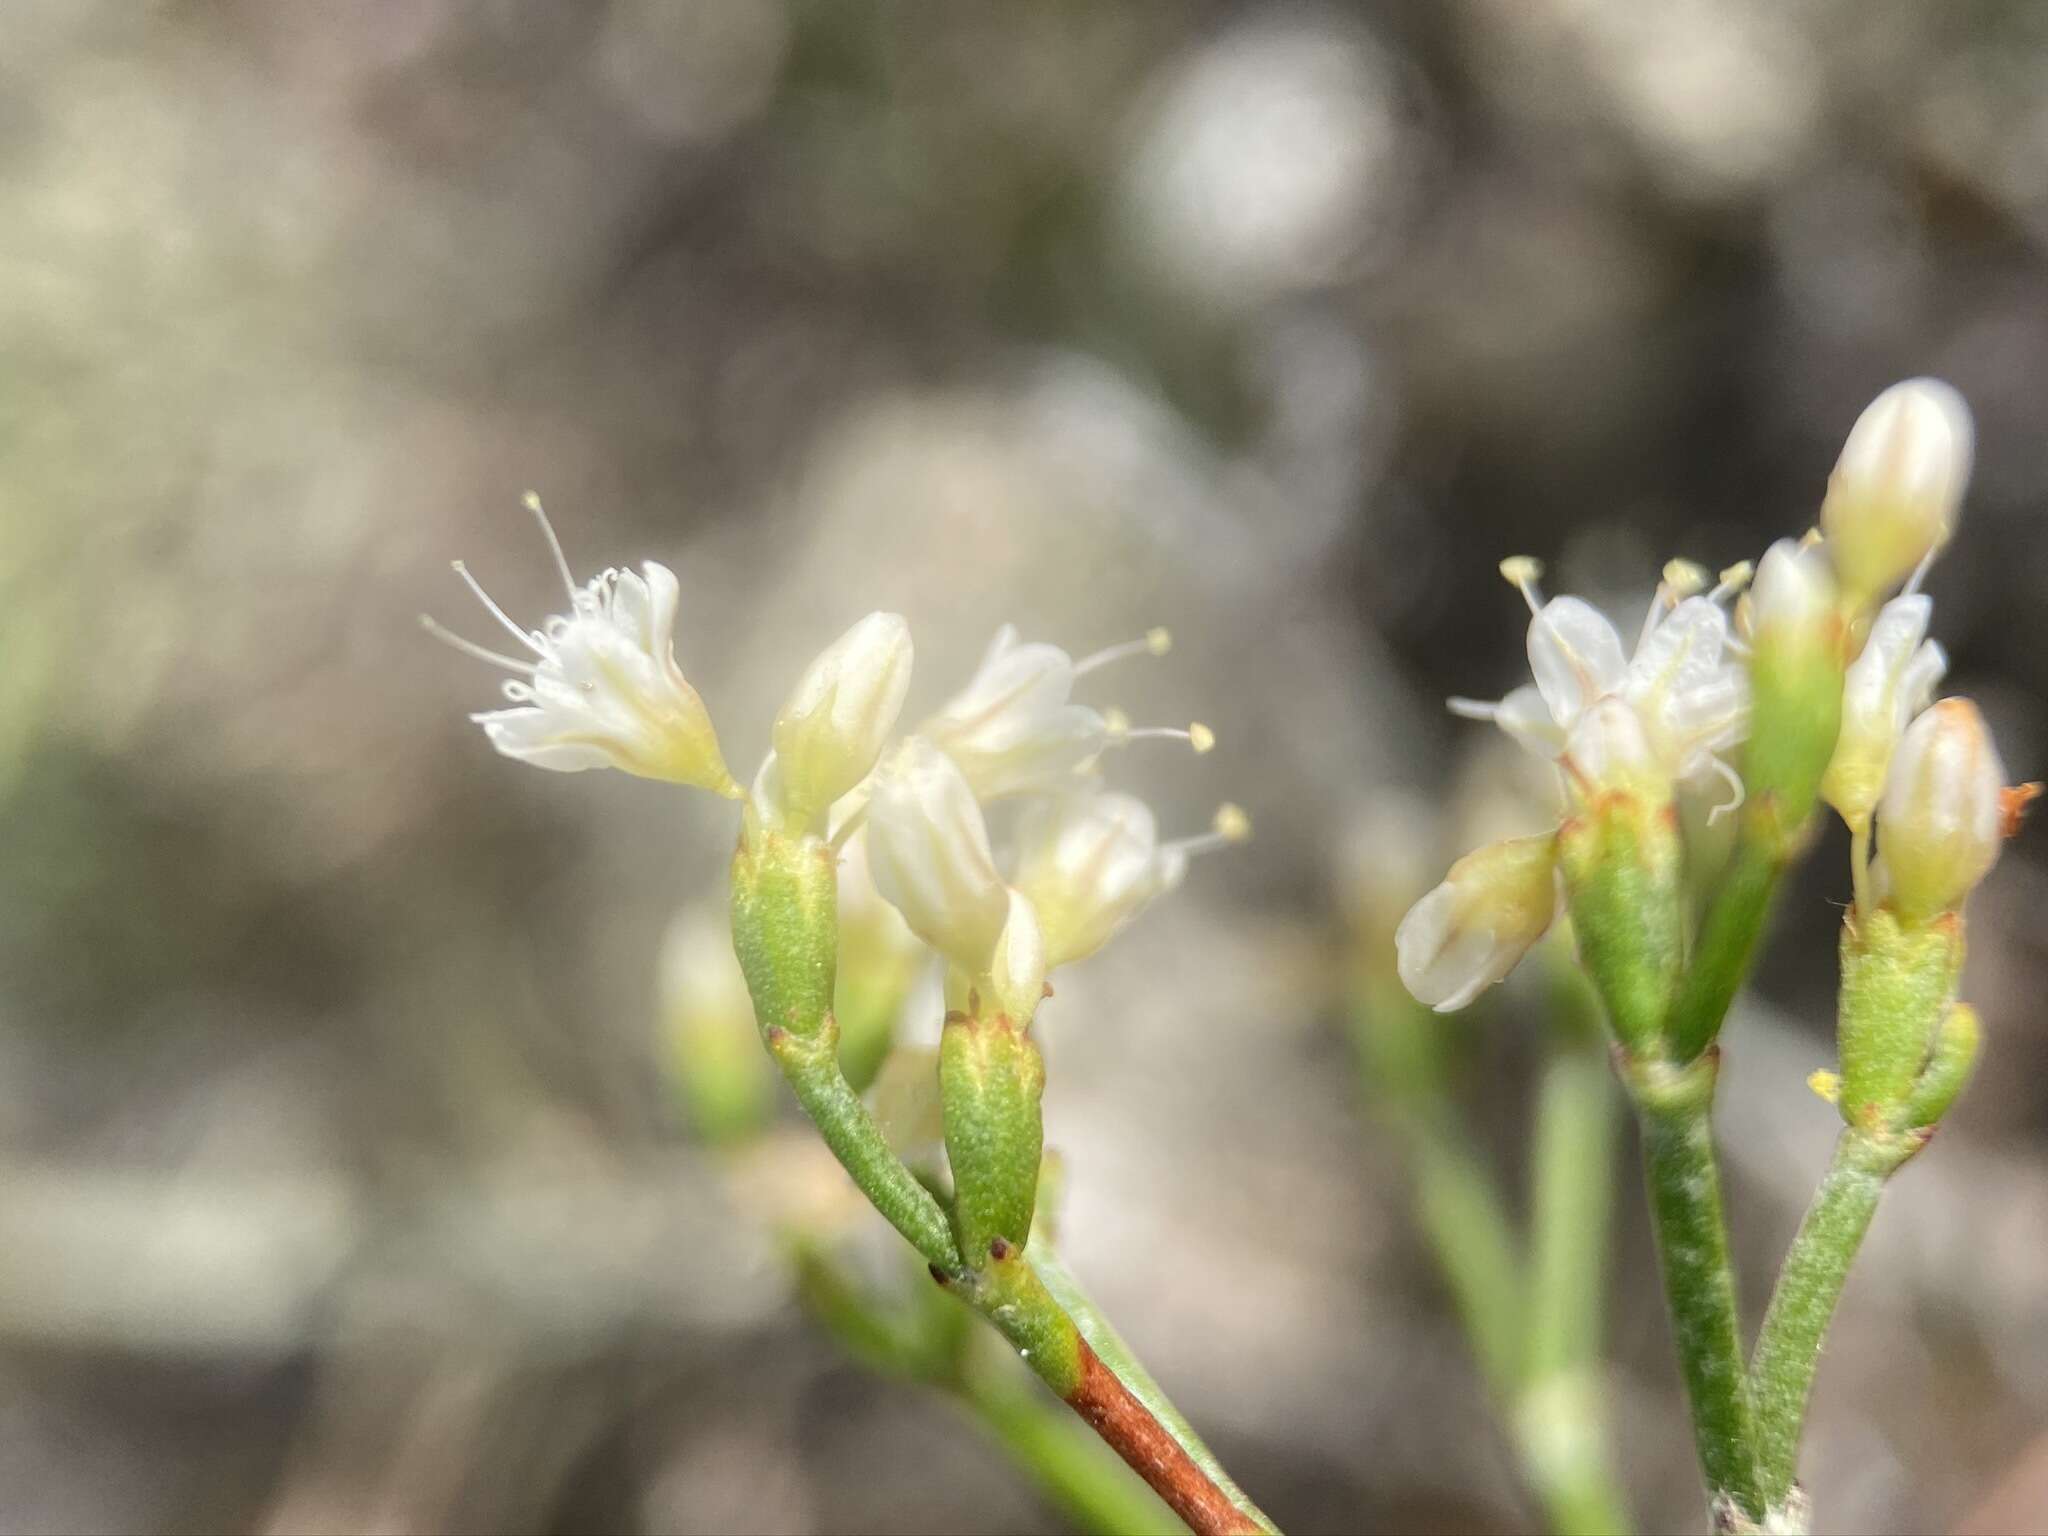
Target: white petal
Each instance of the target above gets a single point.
(1575, 656)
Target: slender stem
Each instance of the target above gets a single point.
(1809, 1285)
(1560, 1415)
(1722, 954)
(1129, 1410)
(1070, 1466)
(1675, 1107)
(812, 1068)
(1460, 1213)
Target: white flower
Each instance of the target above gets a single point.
(1092, 861)
(1895, 491)
(1884, 688)
(1473, 929)
(1689, 694)
(1940, 821)
(929, 852)
(829, 734)
(1015, 730)
(601, 688)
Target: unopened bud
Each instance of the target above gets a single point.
(1940, 822)
(833, 727)
(928, 848)
(1474, 928)
(1884, 688)
(1895, 492)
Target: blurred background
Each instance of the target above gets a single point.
(344, 1187)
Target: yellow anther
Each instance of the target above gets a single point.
(1231, 823)
(1521, 570)
(1736, 577)
(1683, 578)
(1159, 641)
(1200, 737)
(1826, 1085)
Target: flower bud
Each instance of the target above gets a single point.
(710, 1045)
(1939, 821)
(1793, 598)
(1474, 928)
(929, 850)
(1895, 491)
(1884, 688)
(833, 727)
(1089, 863)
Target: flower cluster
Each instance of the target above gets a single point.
(1664, 720)
(600, 687)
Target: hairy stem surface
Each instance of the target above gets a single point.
(1809, 1286)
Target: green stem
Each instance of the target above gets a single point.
(1460, 1212)
(1729, 932)
(1675, 1108)
(812, 1068)
(1809, 1285)
(1560, 1415)
(1074, 1470)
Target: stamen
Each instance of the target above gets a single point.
(1732, 581)
(1473, 709)
(471, 648)
(1118, 729)
(531, 500)
(1229, 826)
(1734, 781)
(1684, 578)
(1811, 538)
(495, 611)
(1522, 572)
(1919, 574)
(1154, 642)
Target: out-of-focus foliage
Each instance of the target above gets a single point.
(341, 1189)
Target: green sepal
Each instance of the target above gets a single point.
(1623, 875)
(1948, 1068)
(785, 928)
(1897, 985)
(1795, 714)
(991, 1078)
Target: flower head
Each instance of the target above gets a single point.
(1895, 491)
(1474, 928)
(1941, 818)
(1689, 695)
(599, 686)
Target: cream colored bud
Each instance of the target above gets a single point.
(835, 723)
(1473, 929)
(929, 851)
(1792, 602)
(1939, 824)
(1895, 491)
(1017, 971)
(1884, 688)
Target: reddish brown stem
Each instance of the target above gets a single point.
(1143, 1442)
